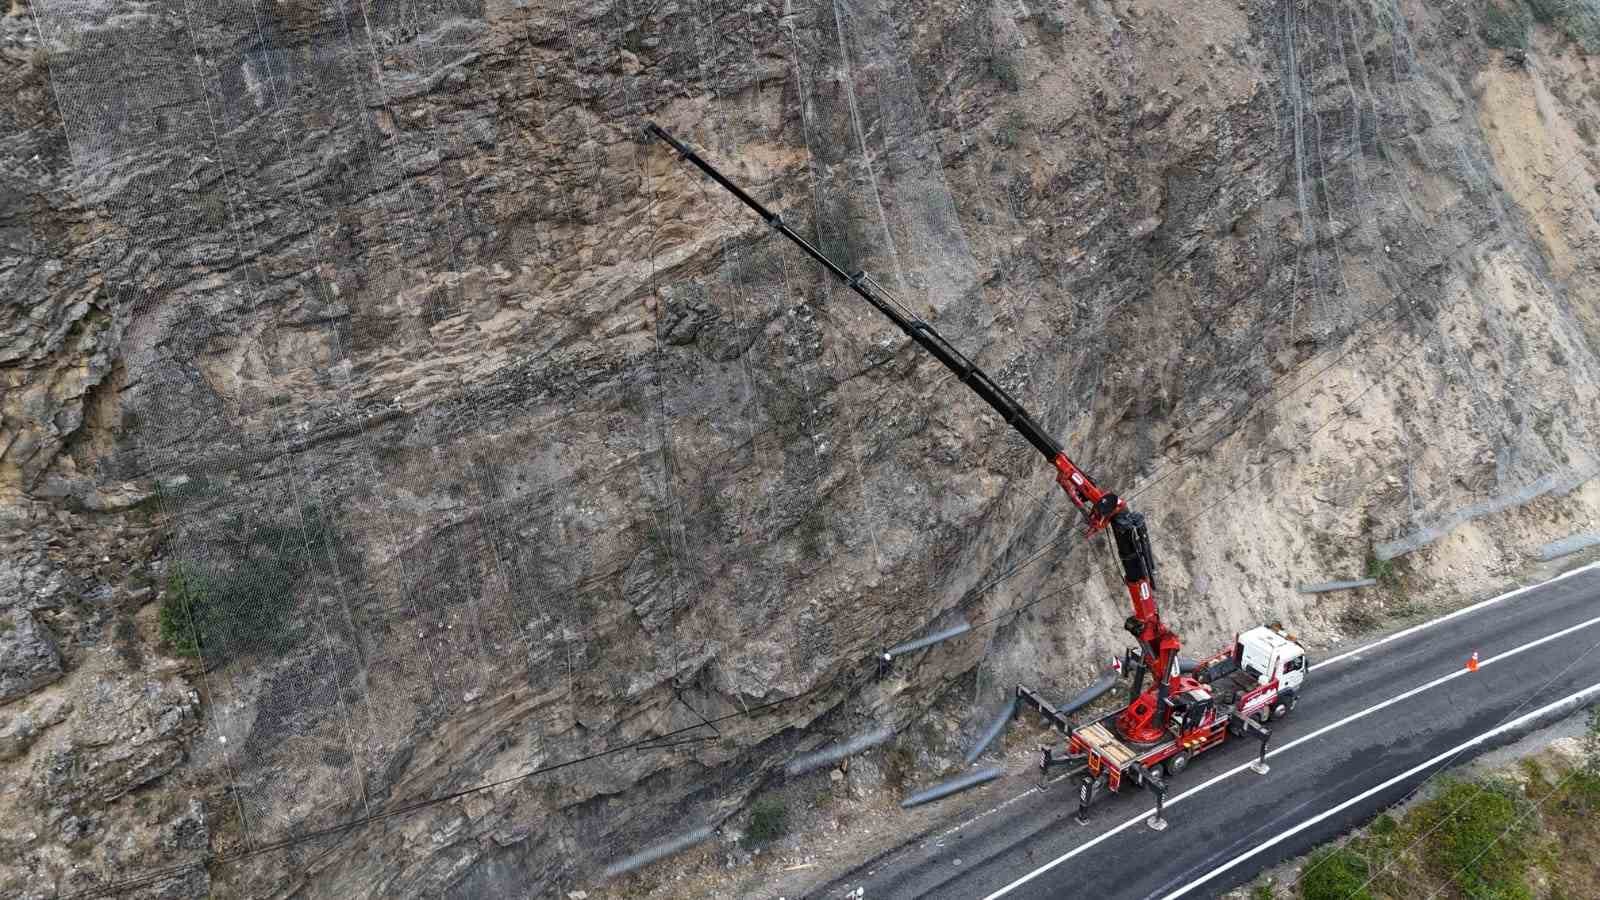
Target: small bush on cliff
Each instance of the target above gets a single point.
(177, 621)
(226, 612)
(243, 605)
(1007, 70)
(769, 820)
(1506, 24)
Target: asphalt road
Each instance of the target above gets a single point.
(1334, 747)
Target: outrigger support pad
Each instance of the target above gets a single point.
(1153, 782)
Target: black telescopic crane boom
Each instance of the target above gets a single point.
(1145, 718)
(913, 325)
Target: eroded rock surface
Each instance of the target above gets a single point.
(372, 358)
(29, 659)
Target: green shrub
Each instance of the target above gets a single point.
(1547, 11)
(1006, 70)
(230, 611)
(1581, 791)
(1384, 826)
(1385, 570)
(1385, 13)
(1480, 837)
(176, 618)
(769, 820)
(1579, 20)
(1533, 771)
(243, 606)
(1335, 873)
(1506, 24)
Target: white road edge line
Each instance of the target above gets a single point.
(1330, 660)
(1139, 819)
(1574, 700)
(1406, 632)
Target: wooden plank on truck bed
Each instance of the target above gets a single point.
(1097, 737)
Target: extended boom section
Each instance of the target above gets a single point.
(907, 321)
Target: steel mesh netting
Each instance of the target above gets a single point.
(344, 602)
(334, 612)
(880, 204)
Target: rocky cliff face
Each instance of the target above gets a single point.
(383, 416)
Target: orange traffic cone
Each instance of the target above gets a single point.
(1472, 662)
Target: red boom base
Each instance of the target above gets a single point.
(1142, 722)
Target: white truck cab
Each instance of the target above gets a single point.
(1265, 653)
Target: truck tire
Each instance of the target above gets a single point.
(1176, 763)
(1285, 704)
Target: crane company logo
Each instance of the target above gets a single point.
(1076, 478)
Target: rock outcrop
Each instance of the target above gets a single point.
(31, 659)
(384, 416)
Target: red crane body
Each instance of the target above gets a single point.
(1146, 718)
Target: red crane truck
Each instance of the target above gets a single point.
(1182, 713)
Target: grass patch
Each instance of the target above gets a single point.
(1591, 742)
(1484, 839)
(769, 820)
(1478, 837)
(1335, 873)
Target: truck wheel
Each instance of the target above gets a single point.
(1284, 706)
(1176, 764)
